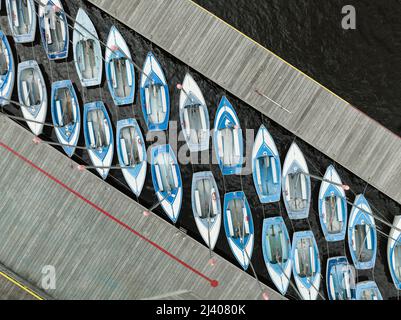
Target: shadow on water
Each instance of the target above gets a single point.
(249, 118)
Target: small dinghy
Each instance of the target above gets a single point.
(332, 207)
(238, 225)
(362, 237)
(120, 71)
(340, 279)
(266, 167)
(131, 151)
(368, 290)
(66, 115)
(32, 95)
(296, 185)
(7, 70)
(194, 116)
(206, 206)
(394, 252)
(155, 98)
(53, 29)
(22, 19)
(227, 139)
(98, 134)
(306, 264)
(276, 247)
(166, 179)
(87, 51)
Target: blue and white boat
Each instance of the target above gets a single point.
(362, 236)
(7, 70)
(155, 98)
(368, 290)
(238, 226)
(306, 264)
(194, 116)
(99, 138)
(394, 252)
(120, 71)
(276, 245)
(53, 27)
(227, 139)
(332, 207)
(22, 19)
(340, 279)
(32, 95)
(131, 151)
(206, 206)
(266, 167)
(66, 115)
(166, 179)
(296, 186)
(87, 51)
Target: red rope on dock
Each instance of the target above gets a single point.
(213, 283)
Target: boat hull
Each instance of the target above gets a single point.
(7, 79)
(340, 279)
(394, 252)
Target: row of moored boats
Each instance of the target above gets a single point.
(292, 181)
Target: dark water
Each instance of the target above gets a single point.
(363, 65)
(249, 118)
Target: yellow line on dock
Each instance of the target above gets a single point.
(15, 282)
(258, 44)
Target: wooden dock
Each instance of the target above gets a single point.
(97, 239)
(242, 67)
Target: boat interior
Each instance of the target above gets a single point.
(369, 294)
(296, 191)
(304, 258)
(21, 16)
(86, 58)
(4, 59)
(277, 244)
(228, 146)
(98, 128)
(130, 144)
(156, 108)
(266, 175)
(121, 77)
(65, 107)
(31, 88)
(205, 199)
(341, 280)
(55, 29)
(362, 242)
(237, 219)
(166, 174)
(195, 122)
(333, 213)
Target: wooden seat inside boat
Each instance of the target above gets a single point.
(31, 87)
(237, 217)
(121, 76)
(228, 146)
(304, 258)
(195, 122)
(333, 213)
(20, 16)
(98, 128)
(155, 100)
(277, 243)
(166, 174)
(65, 107)
(130, 144)
(55, 29)
(205, 199)
(266, 174)
(362, 242)
(86, 58)
(296, 191)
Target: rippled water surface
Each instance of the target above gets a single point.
(307, 23)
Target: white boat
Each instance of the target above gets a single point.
(155, 98)
(362, 235)
(340, 279)
(206, 206)
(394, 252)
(32, 95)
(296, 185)
(99, 139)
(266, 167)
(194, 116)
(66, 115)
(22, 19)
(131, 151)
(7, 70)
(368, 290)
(332, 206)
(54, 30)
(306, 264)
(87, 51)
(120, 71)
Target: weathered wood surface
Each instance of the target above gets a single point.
(42, 223)
(239, 65)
